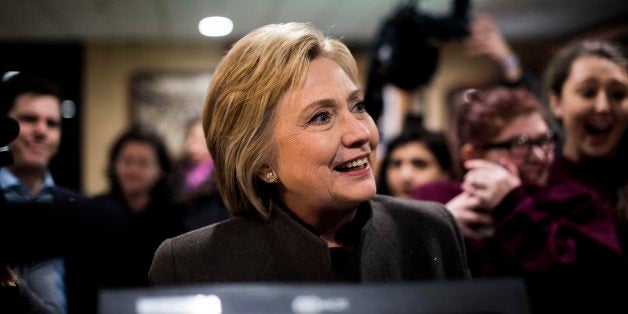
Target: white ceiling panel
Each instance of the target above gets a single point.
(185, 15)
(24, 19)
(257, 13)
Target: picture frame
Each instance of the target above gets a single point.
(167, 101)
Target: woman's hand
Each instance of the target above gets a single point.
(490, 182)
(475, 223)
(485, 38)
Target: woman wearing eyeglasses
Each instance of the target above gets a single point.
(515, 223)
(506, 148)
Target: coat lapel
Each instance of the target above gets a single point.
(380, 258)
(296, 253)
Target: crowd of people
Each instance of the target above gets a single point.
(280, 182)
(544, 204)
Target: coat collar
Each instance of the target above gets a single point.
(378, 253)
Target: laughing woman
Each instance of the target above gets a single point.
(588, 91)
(294, 148)
(587, 187)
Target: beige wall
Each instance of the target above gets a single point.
(455, 71)
(108, 70)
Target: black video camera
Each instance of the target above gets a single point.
(406, 49)
(9, 129)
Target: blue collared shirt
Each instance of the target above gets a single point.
(44, 278)
(17, 192)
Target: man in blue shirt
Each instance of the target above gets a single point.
(35, 104)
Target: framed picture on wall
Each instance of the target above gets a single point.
(167, 101)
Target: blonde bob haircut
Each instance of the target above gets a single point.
(241, 103)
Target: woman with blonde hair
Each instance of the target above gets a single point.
(294, 151)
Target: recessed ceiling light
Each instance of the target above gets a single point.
(215, 26)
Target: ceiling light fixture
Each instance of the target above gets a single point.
(215, 26)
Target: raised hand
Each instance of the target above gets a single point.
(490, 182)
(474, 221)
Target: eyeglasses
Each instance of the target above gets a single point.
(520, 146)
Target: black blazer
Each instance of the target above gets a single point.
(402, 241)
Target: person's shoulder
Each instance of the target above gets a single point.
(225, 251)
(106, 202)
(67, 195)
(221, 233)
(410, 209)
(419, 222)
(101, 197)
(391, 202)
(567, 195)
(211, 244)
(440, 191)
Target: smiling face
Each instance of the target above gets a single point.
(410, 166)
(39, 117)
(534, 168)
(593, 106)
(326, 143)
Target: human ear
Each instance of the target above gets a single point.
(468, 151)
(555, 105)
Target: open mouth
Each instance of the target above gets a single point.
(599, 124)
(598, 128)
(357, 164)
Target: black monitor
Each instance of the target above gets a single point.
(484, 296)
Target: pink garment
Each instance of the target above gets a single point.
(198, 174)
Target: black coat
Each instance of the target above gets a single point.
(121, 257)
(402, 241)
(22, 299)
(102, 243)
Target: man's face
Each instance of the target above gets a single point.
(39, 117)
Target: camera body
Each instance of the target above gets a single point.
(406, 51)
(408, 47)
